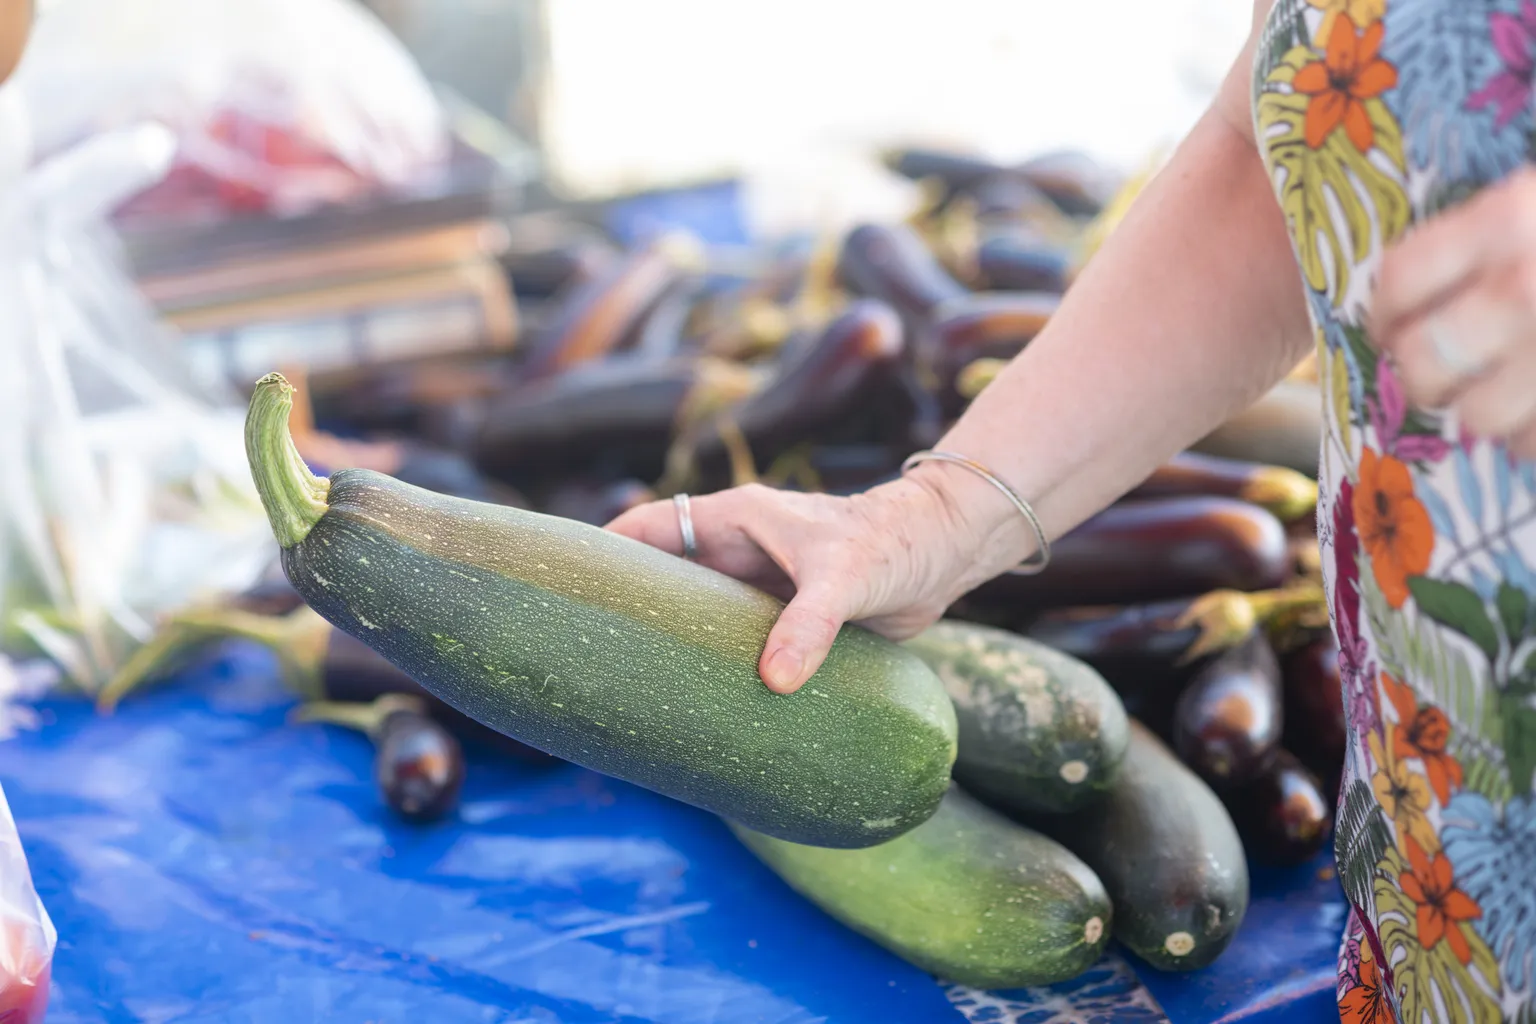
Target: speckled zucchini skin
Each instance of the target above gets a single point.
(627, 660)
(1168, 854)
(1039, 731)
(968, 896)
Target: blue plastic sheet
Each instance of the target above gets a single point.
(205, 861)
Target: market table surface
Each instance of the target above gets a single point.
(205, 860)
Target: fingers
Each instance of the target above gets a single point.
(654, 523)
(1442, 255)
(1442, 352)
(1502, 404)
(800, 640)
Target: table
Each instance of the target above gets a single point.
(206, 861)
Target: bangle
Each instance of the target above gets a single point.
(1042, 556)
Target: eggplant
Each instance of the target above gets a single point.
(957, 171)
(821, 393)
(1316, 730)
(1283, 428)
(850, 468)
(597, 316)
(1283, 815)
(891, 263)
(597, 503)
(614, 418)
(1155, 550)
(1229, 719)
(663, 331)
(988, 325)
(1018, 261)
(417, 765)
(1290, 496)
(542, 272)
(402, 398)
(1079, 185)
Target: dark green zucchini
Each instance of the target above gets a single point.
(1168, 854)
(968, 896)
(608, 652)
(1039, 731)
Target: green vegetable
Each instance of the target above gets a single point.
(1039, 731)
(608, 652)
(1168, 854)
(968, 895)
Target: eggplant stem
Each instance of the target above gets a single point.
(1225, 619)
(365, 718)
(743, 465)
(298, 639)
(152, 660)
(975, 376)
(294, 498)
(1287, 494)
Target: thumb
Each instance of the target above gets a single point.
(800, 640)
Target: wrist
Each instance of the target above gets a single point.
(980, 531)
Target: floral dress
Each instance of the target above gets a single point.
(1372, 115)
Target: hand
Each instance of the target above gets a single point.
(892, 559)
(1455, 307)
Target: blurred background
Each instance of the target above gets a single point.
(400, 202)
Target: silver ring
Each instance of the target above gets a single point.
(1451, 355)
(685, 525)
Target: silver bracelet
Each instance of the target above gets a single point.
(1042, 556)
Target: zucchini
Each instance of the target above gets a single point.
(968, 895)
(1039, 731)
(1169, 855)
(607, 652)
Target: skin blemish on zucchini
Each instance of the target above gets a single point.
(875, 824)
(362, 561)
(1093, 931)
(366, 623)
(1179, 943)
(320, 579)
(1074, 772)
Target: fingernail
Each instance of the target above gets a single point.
(783, 669)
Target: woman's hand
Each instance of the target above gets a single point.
(892, 559)
(1455, 307)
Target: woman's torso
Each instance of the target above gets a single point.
(1371, 115)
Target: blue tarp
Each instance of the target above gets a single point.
(206, 861)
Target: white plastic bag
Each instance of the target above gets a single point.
(27, 936)
(278, 106)
(125, 490)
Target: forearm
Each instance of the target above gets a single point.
(1191, 310)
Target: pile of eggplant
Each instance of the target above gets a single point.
(659, 368)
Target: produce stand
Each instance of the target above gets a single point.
(205, 860)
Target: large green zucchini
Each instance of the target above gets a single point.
(968, 895)
(608, 652)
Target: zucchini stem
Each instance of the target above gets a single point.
(294, 498)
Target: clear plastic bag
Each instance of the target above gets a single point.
(27, 936)
(125, 489)
(278, 106)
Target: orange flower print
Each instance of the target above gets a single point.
(1393, 525)
(1349, 74)
(1366, 1003)
(1423, 732)
(1442, 906)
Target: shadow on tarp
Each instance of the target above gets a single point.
(205, 861)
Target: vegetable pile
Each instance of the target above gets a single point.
(1095, 752)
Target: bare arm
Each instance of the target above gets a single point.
(1188, 313)
(1192, 310)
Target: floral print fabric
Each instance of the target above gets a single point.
(1373, 115)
